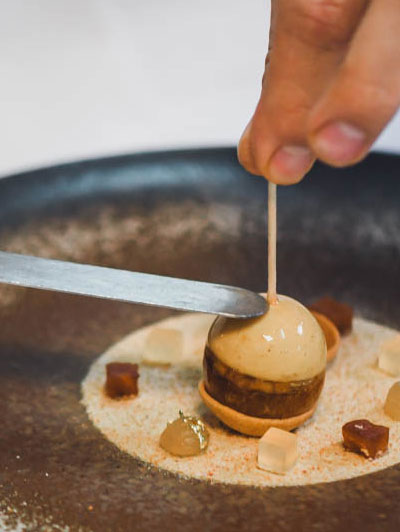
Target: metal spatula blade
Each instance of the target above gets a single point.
(131, 287)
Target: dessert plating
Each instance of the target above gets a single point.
(268, 367)
(354, 387)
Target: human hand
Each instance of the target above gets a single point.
(331, 84)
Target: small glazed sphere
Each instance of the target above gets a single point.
(270, 367)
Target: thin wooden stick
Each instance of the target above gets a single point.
(271, 296)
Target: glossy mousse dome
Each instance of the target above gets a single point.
(286, 344)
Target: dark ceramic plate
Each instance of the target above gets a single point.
(193, 214)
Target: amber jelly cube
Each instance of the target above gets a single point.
(339, 313)
(362, 436)
(122, 379)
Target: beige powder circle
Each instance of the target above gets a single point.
(354, 388)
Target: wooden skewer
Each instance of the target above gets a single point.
(271, 296)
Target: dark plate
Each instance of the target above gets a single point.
(193, 214)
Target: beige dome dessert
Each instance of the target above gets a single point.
(269, 371)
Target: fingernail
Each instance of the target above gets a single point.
(339, 143)
(289, 164)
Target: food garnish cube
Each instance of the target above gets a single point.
(339, 313)
(277, 451)
(163, 346)
(122, 379)
(389, 356)
(392, 403)
(362, 436)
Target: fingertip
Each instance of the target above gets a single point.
(339, 143)
(289, 164)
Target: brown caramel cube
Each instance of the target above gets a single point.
(122, 379)
(339, 313)
(362, 436)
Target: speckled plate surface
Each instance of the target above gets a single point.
(192, 214)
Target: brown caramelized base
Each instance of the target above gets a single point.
(258, 397)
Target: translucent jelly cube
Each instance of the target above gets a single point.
(389, 356)
(163, 346)
(392, 403)
(277, 451)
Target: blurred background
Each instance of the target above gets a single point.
(86, 78)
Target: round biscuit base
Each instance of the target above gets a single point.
(249, 425)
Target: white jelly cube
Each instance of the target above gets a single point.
(389, 356)
(163, 346)
(392, 403)
(277, 451)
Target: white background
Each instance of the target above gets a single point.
(81, 78)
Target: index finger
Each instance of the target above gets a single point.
(309, 40)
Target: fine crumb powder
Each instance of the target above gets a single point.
(355, 388)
